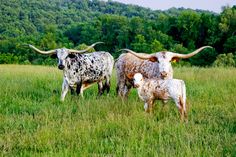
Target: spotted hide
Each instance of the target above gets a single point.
(83, 70)
(150, 90)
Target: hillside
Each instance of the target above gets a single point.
(31, 16)
(50, 24)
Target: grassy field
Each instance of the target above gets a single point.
(33, 121)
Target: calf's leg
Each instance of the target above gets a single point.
(149, 106)
(181, 106)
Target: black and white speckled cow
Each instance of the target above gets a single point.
(82, 70)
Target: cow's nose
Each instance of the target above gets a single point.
(163, 74)
(61, 67)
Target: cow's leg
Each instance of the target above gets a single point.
(78, 88)
(149, 107)
(124, 87)
(180, 104)
(145, 107)
(126, 90)
(123, 90)
(81, 91)
(65, 88)
(120, 87)
(72, 90)
(100, 88)
(107, 85)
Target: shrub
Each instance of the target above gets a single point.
(7, 58)
(224, 60)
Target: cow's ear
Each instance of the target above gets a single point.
(130, 76)
(71, 55)
(175, 59)
(53, 55)
(153, 59)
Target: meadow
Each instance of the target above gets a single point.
(33, 121)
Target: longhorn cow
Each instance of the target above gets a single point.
(156, 65)
(82, 70)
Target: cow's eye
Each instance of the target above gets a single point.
(53, 56)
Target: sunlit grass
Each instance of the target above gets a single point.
(33, 121)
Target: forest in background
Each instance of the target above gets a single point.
(50, 24)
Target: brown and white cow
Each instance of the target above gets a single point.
(156, 65)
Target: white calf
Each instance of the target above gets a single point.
(150, 90)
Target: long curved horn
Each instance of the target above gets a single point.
(190, 54)
(85, 50)
(42, 52)
(139, 55)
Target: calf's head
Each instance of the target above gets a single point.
(164, 59)
(138, 80)
(63, 53)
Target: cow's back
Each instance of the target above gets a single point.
(99, 65)
(90, 67)
(128, 65)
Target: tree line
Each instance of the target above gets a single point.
(50, 24)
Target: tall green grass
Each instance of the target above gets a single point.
(33, 121)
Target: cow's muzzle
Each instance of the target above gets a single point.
(61, 67)
(164, 74)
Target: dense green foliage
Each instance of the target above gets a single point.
(50, 24)
(33, 122)
(224, 60)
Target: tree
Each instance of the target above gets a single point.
(156, 46)
(84, 46)
(48, 41)
(228, 20)
(114, 32)
(208, 30)
(162, 22)
(188, 25)
(227, 27)
(165, 39)
(66, 23)
(140, 44)
(179, 48)
(230, 45)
